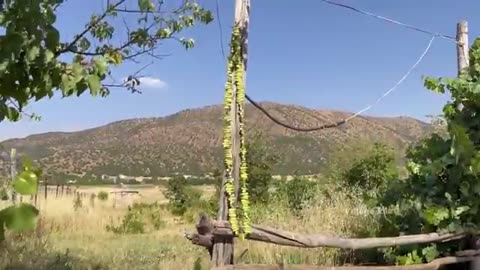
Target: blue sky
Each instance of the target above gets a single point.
(302, 52)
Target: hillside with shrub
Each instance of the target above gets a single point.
(189, 142)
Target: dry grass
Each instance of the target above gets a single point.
(77, 239)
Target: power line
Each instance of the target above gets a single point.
(390, 20)
(217, 7)
(302, 129)
(399, 82)
(339, 123)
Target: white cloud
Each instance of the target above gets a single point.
(152, 82)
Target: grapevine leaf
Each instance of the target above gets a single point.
(19, 217)
(434, 215)
(430, 253)
(26, 183)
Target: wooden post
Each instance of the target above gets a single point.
(56, 191)
(46, 188)
(222, 251)
(463, 60)
(13, 172)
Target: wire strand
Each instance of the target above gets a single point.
(217, 7)
(339, 123)
(390, 20)
(309, 129)
(398, 83)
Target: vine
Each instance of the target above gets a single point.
(235, 78)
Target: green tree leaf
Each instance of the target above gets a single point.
(94, 84)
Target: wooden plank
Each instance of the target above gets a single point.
(434, 265)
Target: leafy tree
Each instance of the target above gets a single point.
(180, 195)
(298, 193)
(32, 47)
(373, 173)
(444, 183)
(259, 163)
(34, 65)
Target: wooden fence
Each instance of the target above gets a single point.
(211, 231)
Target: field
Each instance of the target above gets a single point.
(70, 236)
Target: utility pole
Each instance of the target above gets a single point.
(222, 252)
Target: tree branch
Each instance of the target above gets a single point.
(87, 29)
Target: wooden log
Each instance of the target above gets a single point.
(285, 238)
(434, 265)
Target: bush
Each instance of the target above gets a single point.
(139, 218)
(181, 196)
(259, 169)
(102, 195)
(298, 193)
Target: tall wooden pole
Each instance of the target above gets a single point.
(463, 62)
(222, 252)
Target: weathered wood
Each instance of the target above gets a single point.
(463, 62)
(13, 173)
(222, 250)
(462, 46)
(434, 265)
(285, 238)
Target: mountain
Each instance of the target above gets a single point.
(189, 141)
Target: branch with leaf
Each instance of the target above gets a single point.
(31, 49)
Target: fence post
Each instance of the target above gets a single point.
(222, 252)
(13, 172)
(463, 62)
(46, 188)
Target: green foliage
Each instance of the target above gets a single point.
(31, 48)
(259, 162)
(441, 193)
(180, 195)
(298, 193)
(139, 218)
(102, 195)
(20, 217)
(372, 174)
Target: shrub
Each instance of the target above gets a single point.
(298, 193)
(102, 195)
(178, 196)
(139, 218)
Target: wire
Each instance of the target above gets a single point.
(390, 20)
(303, 129)
(399, 82)
(339, 123)
(217, 6)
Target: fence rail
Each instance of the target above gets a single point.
(433, 265)
(208, 230)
